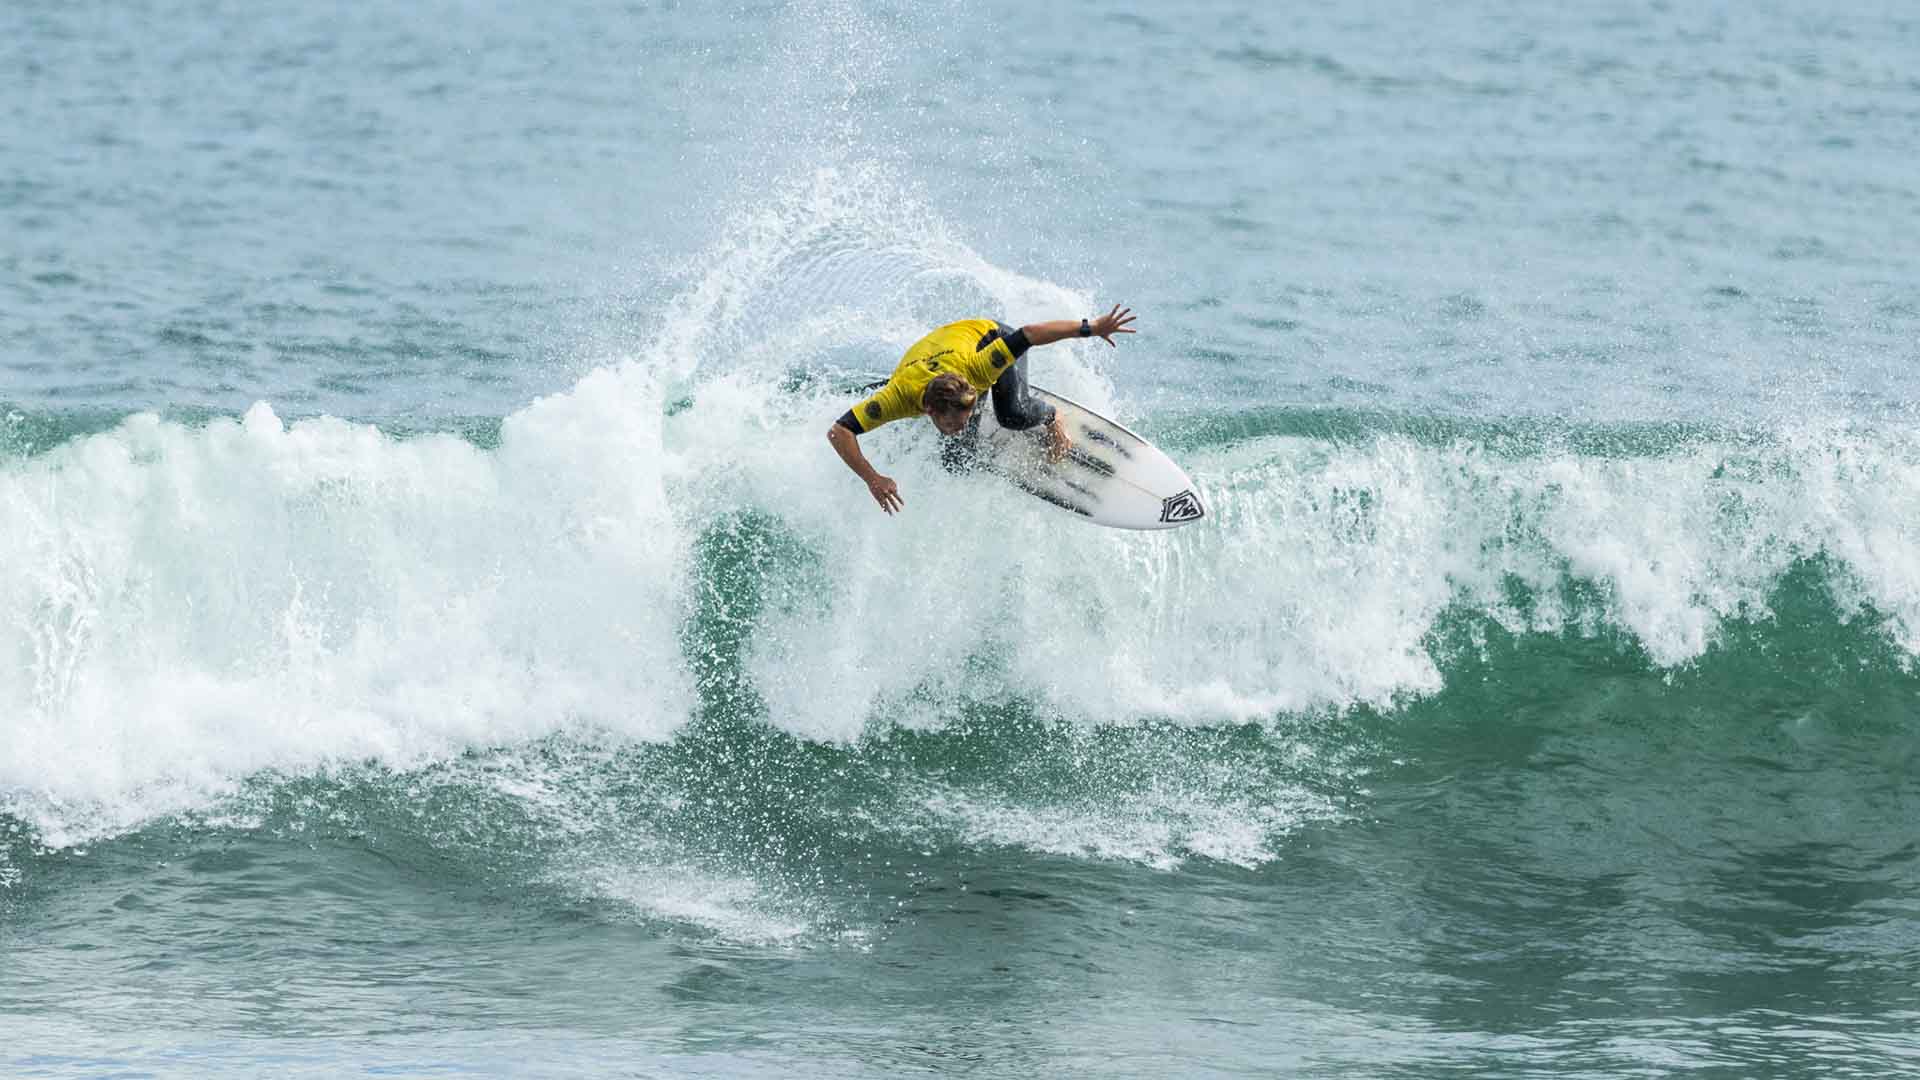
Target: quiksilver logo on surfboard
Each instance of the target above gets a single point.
(1182, 507)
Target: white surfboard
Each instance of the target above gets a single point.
(1110, 476)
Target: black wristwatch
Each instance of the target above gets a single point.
(1085, 330)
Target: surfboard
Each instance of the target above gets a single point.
(1109, 477)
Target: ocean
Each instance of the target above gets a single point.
(436, 638)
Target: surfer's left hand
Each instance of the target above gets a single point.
(1113, 322)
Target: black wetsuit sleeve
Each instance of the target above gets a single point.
(1017, 342)
(847, 421)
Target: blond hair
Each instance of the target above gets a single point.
(948, 394)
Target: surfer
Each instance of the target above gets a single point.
(941, 377)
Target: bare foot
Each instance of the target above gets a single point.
(1058, 443)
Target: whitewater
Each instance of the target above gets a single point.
(196, 604)
(437, 638)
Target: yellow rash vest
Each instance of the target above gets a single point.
(977, 350)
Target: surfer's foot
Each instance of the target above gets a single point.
(1057, 441)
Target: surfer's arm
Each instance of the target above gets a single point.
(1104, 327)
(847, 445)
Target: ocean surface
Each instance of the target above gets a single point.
(437, 640)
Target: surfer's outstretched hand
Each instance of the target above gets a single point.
(1113, 322)
(885, 492)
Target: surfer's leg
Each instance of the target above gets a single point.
(1014, 403)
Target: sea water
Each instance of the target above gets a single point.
(437, 639)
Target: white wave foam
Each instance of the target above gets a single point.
(1322, 576)
(674, 890)
(187, 607)
(1160, 827)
